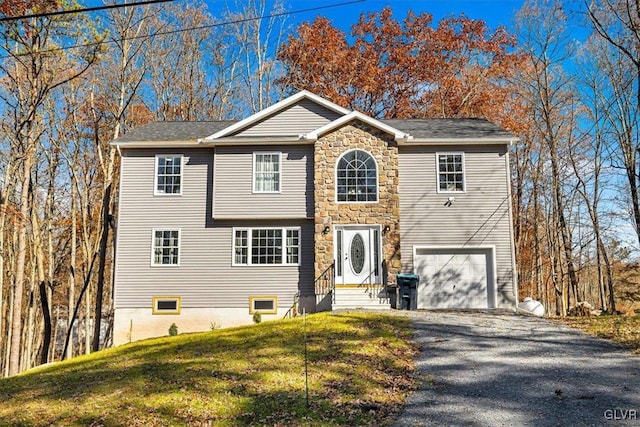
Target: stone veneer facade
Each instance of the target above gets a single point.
(386, 212)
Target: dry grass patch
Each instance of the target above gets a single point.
(360, 372)
(624, 330)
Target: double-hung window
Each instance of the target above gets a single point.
(450, 172)
(266, 172)
(165, 247)
(266, 246)
(168, 175)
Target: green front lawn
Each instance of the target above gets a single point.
(360, 371)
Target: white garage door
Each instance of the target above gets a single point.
(455, 278)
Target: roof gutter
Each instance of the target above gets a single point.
(457, 141)
(155, 144)
(212, 143)
(305, 139)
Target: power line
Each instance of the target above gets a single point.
(201, 27)
(80, 10)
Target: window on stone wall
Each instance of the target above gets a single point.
(356, 177)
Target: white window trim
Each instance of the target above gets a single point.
(249, 246)
(335, 179)
(153, 247)
(155, 175)
(253, 175)
(464, 172)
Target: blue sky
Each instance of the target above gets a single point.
(493, 12)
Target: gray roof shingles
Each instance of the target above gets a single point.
(418, 128)
(174, 131)
(449, 128)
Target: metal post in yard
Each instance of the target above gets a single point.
(306, 371)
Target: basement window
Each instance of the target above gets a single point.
(166, 305)
(263, 304)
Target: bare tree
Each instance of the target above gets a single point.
(32, 71)
(606, 78)
(549, 93)
(200, 87)
(257, 34)
(618, 23)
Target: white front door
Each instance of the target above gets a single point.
(357, 255)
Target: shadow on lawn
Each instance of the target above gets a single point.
(251, 375)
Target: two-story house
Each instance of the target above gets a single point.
(307, 201)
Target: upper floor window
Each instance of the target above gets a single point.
(168, 175)
(165, 247)
(356, 177)
(450, 172)
(266, 172)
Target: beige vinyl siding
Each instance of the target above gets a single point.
(233, 184)
(301, 117)
(477, 217)
(205, 277)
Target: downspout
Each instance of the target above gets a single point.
(213, 184)
(514, 275)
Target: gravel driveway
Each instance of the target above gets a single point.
(497, 369)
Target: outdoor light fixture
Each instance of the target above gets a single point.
(325, 230)
(386, 229)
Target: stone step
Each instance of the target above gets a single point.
(360, 297)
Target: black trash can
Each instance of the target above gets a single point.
(408, 288)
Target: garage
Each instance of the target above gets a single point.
(455, 277)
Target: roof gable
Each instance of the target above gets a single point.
(275, 109)
(356, 115)
(300, 118)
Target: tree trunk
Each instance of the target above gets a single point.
(4, 195)
(608, 275)
(46, 317)
(18, 287)
(40, 271)
(72, 266)
(87, 321)
(29, 332)
(104, 241)
(73, 317)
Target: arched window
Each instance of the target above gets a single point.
(356, 177)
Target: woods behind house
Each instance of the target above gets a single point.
(71, 84)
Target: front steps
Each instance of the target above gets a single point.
(354, 296)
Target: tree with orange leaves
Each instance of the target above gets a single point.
(412, 68)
